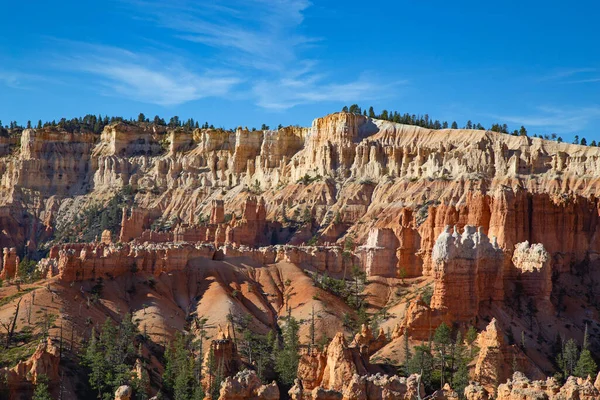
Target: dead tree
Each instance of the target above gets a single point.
(10, 326)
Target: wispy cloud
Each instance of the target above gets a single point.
(291, 91)
(144, 78)
(559, 120)
(264, 30)
(21, 80)
(589, 80)
(263, 41)
(561, 74)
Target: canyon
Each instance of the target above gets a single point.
(468, 228)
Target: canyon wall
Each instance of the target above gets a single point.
(458, 226)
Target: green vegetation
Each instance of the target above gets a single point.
(307, 179)
(27, 270)
(8, 299)
(42, 392)
(427, 294)
(572, 362)
(443, 360)
(11, 356)
(183, 370)
(110, 356)
(287, 357)
(92, 221)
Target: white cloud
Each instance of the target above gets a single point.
(560, 74)
(21, 80)
(261, 39)
(292, 90)
(144, 78)
(559, 120)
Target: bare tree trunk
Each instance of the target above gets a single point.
(13, 324)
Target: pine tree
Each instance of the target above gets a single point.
(442, 340)
(93, 359)
(422, 363)
(460, 377)
(567, 359)
(110, 357)
(586, 364)
(286, 362)
(42, 392)
(522, 131)
(454, 125)
(407, 355)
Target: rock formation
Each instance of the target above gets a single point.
(44, 362)
(533, 270)
(519, 387)
(365, 387)
(223, 353)
(468, 270)
(496, 359)
(215, 222)
(367, 343)
(246, 385)
(379, 253)
(474, 391)
(123, 393)
(10, 263)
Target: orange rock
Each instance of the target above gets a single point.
(378, 255)
(250, 229)
(10, 263)
(217, 212)
(342, 364)
(43, 362)
(468, 270)
(223, 352)
(495, 359)
(367, 343)
(311, 367)
(133, 224)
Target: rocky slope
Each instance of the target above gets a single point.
(471, 228)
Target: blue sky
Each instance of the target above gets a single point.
(288, 61)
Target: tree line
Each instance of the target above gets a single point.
(96, 123)
(425, 121)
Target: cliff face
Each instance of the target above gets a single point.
(496, 227)
(468, 270)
